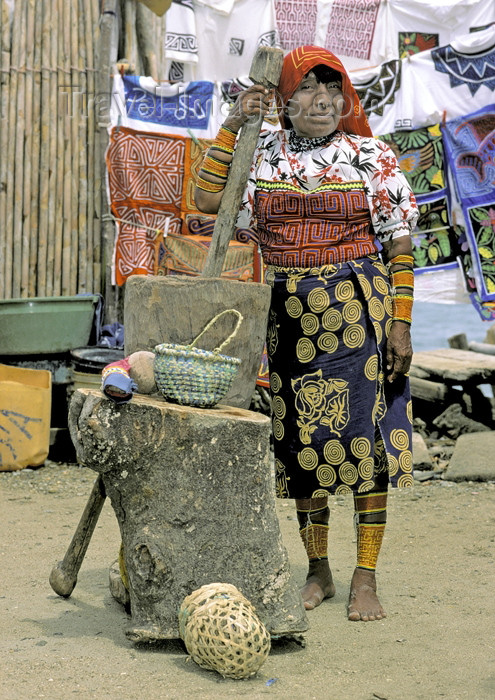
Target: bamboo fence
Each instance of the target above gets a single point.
(49, 225)
(54, 72)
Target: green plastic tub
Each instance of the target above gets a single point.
(44, 325)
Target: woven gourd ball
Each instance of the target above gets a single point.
(226, 635)
(204, 594)
(142, 371)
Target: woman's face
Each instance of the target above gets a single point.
(315, 108)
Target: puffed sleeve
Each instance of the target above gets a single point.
(391, 200)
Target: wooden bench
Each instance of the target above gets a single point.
(434, 373)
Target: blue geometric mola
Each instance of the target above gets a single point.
(462, 69)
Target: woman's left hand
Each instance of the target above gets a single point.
(399, 350)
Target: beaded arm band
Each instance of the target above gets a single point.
(224, 143)
(402, 281)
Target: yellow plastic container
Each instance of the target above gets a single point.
(25, 409)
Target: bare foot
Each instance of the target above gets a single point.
(363, 601)
(319, 584)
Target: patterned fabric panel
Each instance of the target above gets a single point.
(188, 108)
(186, 255)
(327, 329)
(305, 229)
(145, 172)
(351, 27)
(414, 42)
(381, 91)
(296, 22)
(470, 148)
(471, 70)
(193, 158)
(421, 158)
(435, 241)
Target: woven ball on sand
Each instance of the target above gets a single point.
(226, 635)
(204, 594)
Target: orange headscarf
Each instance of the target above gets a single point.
(299, 62)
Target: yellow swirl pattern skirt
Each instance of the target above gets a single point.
(338, 427)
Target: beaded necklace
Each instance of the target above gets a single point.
(303, 143)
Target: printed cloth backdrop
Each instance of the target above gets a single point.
(470, 147)
(422, 71)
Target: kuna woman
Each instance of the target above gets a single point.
(333, 215)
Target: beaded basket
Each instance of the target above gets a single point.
(193, 377)
(226, 635)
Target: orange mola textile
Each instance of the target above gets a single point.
(145, 177)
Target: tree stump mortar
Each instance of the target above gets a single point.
(193, 492)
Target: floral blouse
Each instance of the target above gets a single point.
(340, 196)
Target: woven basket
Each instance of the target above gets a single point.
(193, 377)
(226, 635)
(203, 595)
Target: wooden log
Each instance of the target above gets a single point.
(4, 140)
(455, 366)
(47, 116)
(28, 228)
(484, 348)
(427, 390)
(35, 150)
(193, 492)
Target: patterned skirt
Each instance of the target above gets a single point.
(338, 426)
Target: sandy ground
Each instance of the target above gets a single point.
(436, 580)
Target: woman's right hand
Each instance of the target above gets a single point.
(251, 104)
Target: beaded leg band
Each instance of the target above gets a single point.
(369, 540)
(371, 512)
(314, 532)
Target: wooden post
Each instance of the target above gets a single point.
(146, 22)
(67, 158)
(28, 240)
(89, 28)
(73, 119)
(58, 90)
(34, 168)
(19, 127)
(82, 88)
(4, 141)
(107, 59)
(48, 36)
(57, 153)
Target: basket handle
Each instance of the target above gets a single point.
(240, 318)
